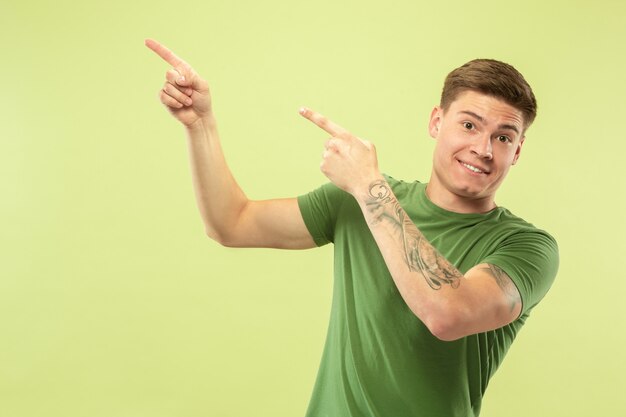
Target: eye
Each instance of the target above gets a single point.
(504, 139)
(468, 125)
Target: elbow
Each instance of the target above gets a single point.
(444, 330)
(220, 238)
(225, 230)
(447, 327)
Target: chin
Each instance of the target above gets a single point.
(472, 193)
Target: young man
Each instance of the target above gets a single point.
(432, 281)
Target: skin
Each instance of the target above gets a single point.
(472, 130)
(481, 131)
(451, 304)
(229, 217)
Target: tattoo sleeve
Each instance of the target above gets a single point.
(419, 254)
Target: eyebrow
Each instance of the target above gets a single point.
(482, 120)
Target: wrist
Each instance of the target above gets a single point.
(363, 192)
(202, 124)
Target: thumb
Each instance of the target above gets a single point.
(189, 78)
(184, 77)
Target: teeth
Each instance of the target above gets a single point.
(471, 168)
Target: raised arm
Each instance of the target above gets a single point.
(449, 303)
(229, 216)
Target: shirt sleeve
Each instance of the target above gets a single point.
(319, 210)
(531, 260)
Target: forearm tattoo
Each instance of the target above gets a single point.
(419, 254)
(505, 284)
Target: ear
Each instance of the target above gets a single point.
(518, 150)
(435, 121)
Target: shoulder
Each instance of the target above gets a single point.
(516, 227)
(328, 192)
(528, 254)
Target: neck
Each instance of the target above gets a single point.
(450, 201)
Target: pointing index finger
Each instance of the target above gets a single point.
(165, 53)
(325, 124)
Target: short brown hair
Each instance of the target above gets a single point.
(494, 78)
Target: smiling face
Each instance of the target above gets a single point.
(479, 137)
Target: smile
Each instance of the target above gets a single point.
(473, 168)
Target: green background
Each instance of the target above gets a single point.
(113, 302)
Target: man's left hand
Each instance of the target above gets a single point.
(348, 161)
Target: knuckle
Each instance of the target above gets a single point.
(170, 89)
(169, 101)
(171, 75)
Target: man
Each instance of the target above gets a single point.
(432, 281)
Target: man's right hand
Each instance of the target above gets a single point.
(185, 94)
(229, 216)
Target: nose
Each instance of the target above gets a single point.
(481, 147)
